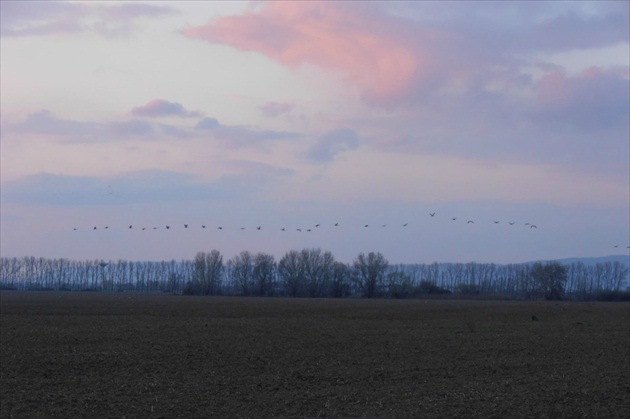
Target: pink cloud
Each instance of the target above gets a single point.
(160, 107)
(378, 54)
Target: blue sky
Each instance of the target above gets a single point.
(293, 114)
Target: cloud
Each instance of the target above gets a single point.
(44, 123)
(207, 123)
(596, 98)
(147, 186)
(273, 109)
(158, 108)
(236, 136)
(130, 128)
(412, 52)
(332, 143)
(374, 53)
(55, 18)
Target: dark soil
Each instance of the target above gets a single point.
(96, 355)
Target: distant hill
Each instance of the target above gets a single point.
(623, 259)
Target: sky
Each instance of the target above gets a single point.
(354, 120)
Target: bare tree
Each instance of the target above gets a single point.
(242, 272)
(316, 268)
(291, 273)
(264, 273)
(339, 285)
(551, 278)
(369, 273)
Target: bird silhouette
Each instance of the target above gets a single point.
(363, 226)
(94, 227)
(144, 228)
(106, 227)
(283, 229)
(203, 226)
(336, 224)
(533, 226)
(316, 225)
(616, 246)
(384, 225)
(300, 230)
(432, 214)
(511, 223)
(220, 228)
(168, 227)
(455, 218)
(405, 225)
(242, 228)
(308, 230)
(470, 222)
(185, 225)
(75, 229)
(130, 226)
(258, 228)
(497, 222)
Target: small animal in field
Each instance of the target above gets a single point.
(534, 318)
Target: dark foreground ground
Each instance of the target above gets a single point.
(86, 355)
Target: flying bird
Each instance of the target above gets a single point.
(455, 218)
(336, 224)
(258, 228)
(106, 227)
(283, 229)
(363, 226)
(432, 214)
(533, 226)
(316, 225)
(203, 226)
(300, 230)
(497, 222)
(144, 228)
(308, 230)
(75, 229)
(168, 227)
(470, 222)
(220, 228)
(94, 227)
(384, 225)
(511, 223)
(185, 225)
(131, 226)
(405, 225)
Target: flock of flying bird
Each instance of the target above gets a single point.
(432, 214)
(203, 226)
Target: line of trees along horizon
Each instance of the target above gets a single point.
(315, 273)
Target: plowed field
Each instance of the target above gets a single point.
(96, 355)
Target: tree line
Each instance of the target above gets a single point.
(315, 273)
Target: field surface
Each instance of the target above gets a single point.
(102, 355)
